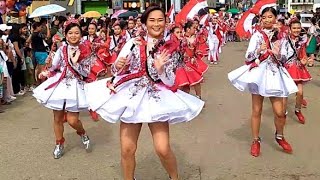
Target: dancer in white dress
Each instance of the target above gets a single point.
(264, 76)
(213, 41)
(64, 90)
(140, 93)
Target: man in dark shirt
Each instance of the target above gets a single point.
(39, 47)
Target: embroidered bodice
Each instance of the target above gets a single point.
(64, 55)
(255, 43)
(291, 49)
(140, 61)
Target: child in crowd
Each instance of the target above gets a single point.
(52, 53)
(1, 87)
(29, 73)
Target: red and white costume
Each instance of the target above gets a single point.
(191, 69)
(214, 43)
(292, 52)
(142, 95)
(64, 90)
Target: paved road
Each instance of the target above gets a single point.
(215, 146)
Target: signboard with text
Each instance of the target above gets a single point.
(117, 4)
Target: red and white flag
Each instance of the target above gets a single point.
(170, 13)
(258, 7)
(190, 10)
(204, 19)
(244, 26)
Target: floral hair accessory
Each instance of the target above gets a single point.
(130, 18)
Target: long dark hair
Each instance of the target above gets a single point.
(188, 25)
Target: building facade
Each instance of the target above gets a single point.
(300, 5)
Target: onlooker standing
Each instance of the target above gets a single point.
(18, 75)
(1, 87)
(11, 62)
(312, 42)
(38, 46)
(29, 74)
(4, 74)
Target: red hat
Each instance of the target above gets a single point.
(175, 25)
(93, 21)
(196, 18)
(117, 23)
(70, 21)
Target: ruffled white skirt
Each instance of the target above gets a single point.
(138, 104)
(266, 80)
(69, 93)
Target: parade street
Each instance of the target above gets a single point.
(214, 146)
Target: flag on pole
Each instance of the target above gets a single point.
(190, 10)
(170, 13)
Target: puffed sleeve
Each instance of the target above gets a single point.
(254, 45)
(56, 60)
(169, 74)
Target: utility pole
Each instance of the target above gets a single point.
(142, 5)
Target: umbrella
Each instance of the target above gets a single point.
(292, 11)
(46, 10)
(116, 14)
(92, 14)
(233, 11)
(212, 11)
(128, 14)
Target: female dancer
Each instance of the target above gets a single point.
(92, 33)
(143, 74)
(202, 39)
(294, 55)
(264, 76)
(64, 91)
(193, 60)
(130, 32)
(118, 40)
(213, 41)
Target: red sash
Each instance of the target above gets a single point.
(140, 73)
(264, 56)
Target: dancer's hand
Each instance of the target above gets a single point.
(310, 60)
(275, 49)
(304, 60)
(161, 60)
(193, 60)
(44, 74)
(263, 47)
(122, 61)
(257, 61)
